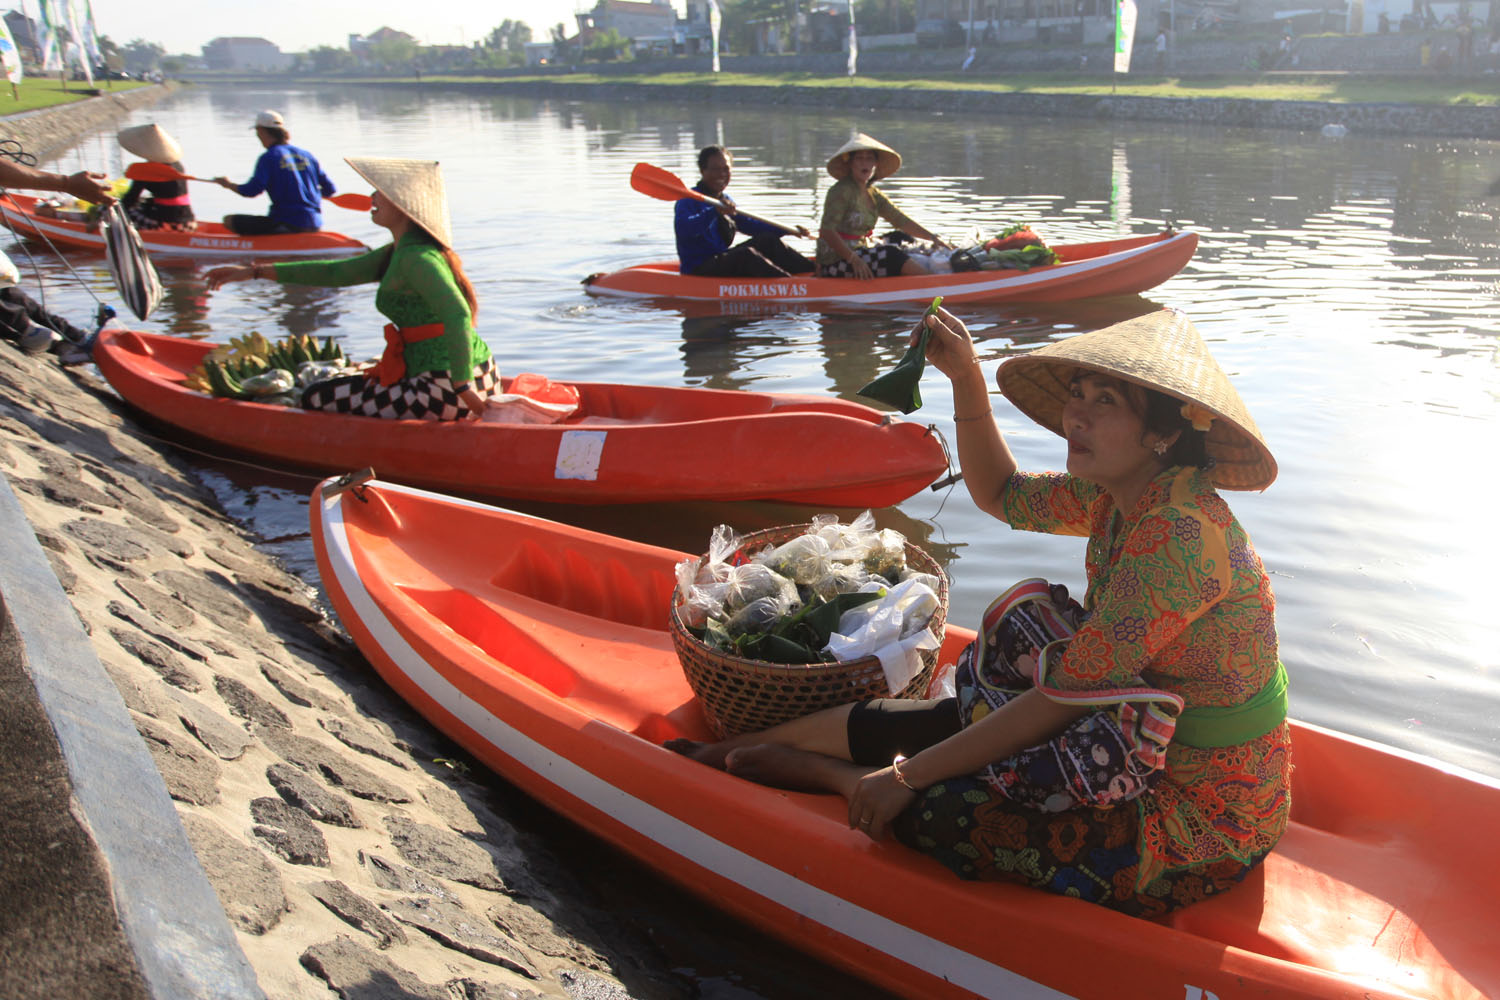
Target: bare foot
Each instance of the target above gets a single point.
(711, 754)
(790, 768)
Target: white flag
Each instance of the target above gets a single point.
(715, 18)
(1124, 34)
(76, 49)
(853, 41)
(91, 34)
(10, 57)
(47, 37)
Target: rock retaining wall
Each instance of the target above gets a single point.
(47, 132)
(348, 849)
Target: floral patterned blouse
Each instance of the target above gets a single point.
(1176, 595)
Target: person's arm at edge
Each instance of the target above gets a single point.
(982, 452)
(85, 184)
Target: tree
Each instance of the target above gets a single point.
(563, 47)
(139, 55)
(510, 37)
(327, 59)
(607, 46)
(393, 52)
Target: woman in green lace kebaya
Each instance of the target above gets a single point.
(434, 367)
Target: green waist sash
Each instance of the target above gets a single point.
(1215, 726)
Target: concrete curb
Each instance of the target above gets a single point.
(171, 917)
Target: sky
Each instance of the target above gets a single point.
(296, 25)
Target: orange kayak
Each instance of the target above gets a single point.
(627, 444)
(210, 239)
(1110, 267)
(543, 649)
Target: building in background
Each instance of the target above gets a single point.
(245, 53)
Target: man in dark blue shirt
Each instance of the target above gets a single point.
(292, 178)
(704, 231)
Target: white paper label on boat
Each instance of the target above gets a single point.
(578, 454)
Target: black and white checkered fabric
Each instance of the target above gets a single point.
(884, 259)
(428, 396)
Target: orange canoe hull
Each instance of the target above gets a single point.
(543, 650)
(1109, 267)
(629, 444)
(209, 240)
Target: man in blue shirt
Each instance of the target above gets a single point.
(704, 232)
(292, 178)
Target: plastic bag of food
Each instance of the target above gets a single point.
(803, 559)
(884, 554)
(841, 578)
(269, 383)
(309, 372)
(760, 615)
(751, 582)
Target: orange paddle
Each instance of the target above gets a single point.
(667, 186)
(165, 172)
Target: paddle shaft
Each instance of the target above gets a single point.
(739, 211)
(667, 186)
(166, 172)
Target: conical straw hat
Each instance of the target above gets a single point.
(414, 186)
(151, 142)
(887, 163)
(1161, 351)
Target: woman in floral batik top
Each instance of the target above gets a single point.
(1132, 751)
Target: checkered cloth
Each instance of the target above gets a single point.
(885, 261)
(427, 396)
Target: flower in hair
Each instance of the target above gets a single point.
(1200, 418)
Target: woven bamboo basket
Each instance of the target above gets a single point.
(741, 695)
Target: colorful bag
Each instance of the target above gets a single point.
(1104, 758)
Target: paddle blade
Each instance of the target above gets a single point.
(154, 172)
(661, 184)
(357, 202)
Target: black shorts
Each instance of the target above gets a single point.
(881, 728)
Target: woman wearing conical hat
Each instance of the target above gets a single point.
(157, 204)
(852, 208)
(434, 367)
(1132, 751)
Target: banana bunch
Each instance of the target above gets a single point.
(227, 366)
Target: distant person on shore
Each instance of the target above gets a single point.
(157, 204)
(705, 232)
(291, 176)
(851, 209)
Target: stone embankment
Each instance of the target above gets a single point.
(46, 132)
(346, 848)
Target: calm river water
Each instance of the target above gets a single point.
(1348, 285)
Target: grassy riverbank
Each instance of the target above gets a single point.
(43, 92)
(1332, 88)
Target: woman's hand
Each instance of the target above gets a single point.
(474, 403)
(950, 349)
(89, 186)
(218, 277)
(227, 184)
(860, 268)
(877, 800)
